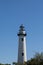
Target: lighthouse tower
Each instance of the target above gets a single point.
(22, 45)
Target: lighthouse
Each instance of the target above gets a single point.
(22, 57)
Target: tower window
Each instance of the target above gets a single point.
(22, 39)
(22, 54)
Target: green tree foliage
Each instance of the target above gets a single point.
(37, 60)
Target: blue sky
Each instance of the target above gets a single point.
(13, 13)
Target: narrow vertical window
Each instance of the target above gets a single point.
(22, 54)
(22, 39)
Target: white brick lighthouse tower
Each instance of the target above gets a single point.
(22, 45)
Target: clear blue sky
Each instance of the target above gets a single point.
(13, 13)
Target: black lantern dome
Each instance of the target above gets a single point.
(22, 30)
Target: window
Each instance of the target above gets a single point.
(22, 39)
(22, 54)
